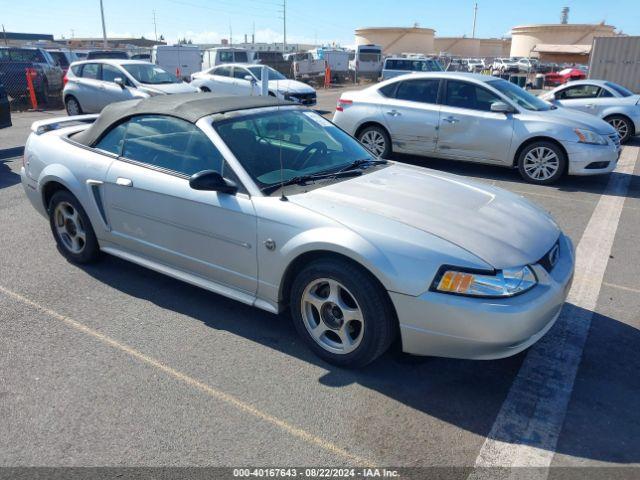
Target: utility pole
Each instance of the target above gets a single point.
(475, 17)
(230, 35)
(104, 29)
(155, 29)
(284, 24)
(4, 33)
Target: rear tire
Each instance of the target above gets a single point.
(72, 229)
(376, 140)
(342, 313)
(542, 163)
(72, 106)
(623, 126)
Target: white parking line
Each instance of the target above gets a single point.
(219, 395)
(526, 431)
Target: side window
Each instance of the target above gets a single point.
(171, 144)
(389, 91)
(91, 70)
(223, 71)
(76, 69)
(113, 140)
(226, 57)
(579, 91)
(109, 73)
(423, 91)
(466, 95)
(240, 73)
(604, 93)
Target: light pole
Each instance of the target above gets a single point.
(104, 29)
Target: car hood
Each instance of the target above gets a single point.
(502, 229)
(290, 86)
(569, 117)
(170, 88)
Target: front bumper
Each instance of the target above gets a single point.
(443, 325)
(583, 157)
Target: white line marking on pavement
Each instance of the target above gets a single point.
(203, 387)
(526, 430)
(621, 287)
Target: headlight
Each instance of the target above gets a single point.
(587, 136)
(502, 283)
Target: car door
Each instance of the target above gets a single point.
(241, 85)
(468, 129)
(223, 80)
(88, 91)
(411, 113)
(154, 214)
(580, 97)
(110, 91)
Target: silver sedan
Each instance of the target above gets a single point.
(614, 103)
(276, 207)
(478, 118)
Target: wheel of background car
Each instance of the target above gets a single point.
(376, 140)
(622, 125)
(73, 106)
(342, 313)
(305, 156)
(72, 229)
(542, 163)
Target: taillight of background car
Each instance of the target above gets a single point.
(342, 103)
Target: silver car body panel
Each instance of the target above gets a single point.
(454, 133)
(94, 94)
(400, 223)
(602, 107)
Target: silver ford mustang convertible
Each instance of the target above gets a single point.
(274, 206)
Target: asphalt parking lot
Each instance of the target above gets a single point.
(115, 365)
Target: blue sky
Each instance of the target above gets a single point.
(308, 20)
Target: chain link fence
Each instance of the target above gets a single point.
(31, 78)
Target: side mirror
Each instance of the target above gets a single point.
(212, 181)
(249, 78)
(501, 107)
(119, 81)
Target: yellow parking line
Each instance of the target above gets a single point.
(212, 392)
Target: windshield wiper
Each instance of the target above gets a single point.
(304, 179)
(361, 163)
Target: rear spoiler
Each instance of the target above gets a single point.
(44, 126)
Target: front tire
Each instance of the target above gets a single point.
(72, 229)
(341, 313)
(542, 163)
(376, 140)
(623, 126)
(72, 106)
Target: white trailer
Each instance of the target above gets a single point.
(181, 60)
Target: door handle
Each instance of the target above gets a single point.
(451, 120)
(590, 105)
(124, 182)
(394, 113)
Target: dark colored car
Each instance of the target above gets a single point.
(13, 76)
(110, 54)
(5, 112)
(274, 60)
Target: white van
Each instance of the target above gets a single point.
(212, 57)
(181, 60)
(395, 66)
(367, 61)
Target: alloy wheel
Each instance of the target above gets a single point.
(541, 163)
(69, 227)
(621, 127)
(73, 108)
(332, 316)
(374, 141)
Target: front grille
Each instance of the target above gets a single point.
(550, 259)
(304, 98)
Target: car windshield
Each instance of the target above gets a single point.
(149, 74)
(275, 146)
(516, 94)
(273, 74)
(620, 89)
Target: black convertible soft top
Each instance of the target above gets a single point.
(187, 106)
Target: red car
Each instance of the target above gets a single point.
(564, 76)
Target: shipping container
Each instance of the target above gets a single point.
(616, 59)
